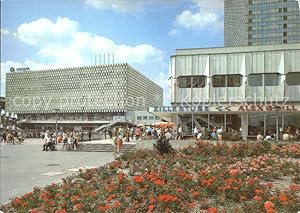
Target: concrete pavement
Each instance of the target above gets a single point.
(25, 166)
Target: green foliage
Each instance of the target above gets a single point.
(163, 146)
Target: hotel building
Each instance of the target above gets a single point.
(260, 22)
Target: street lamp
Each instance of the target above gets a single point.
(276, 109)
(56, 131)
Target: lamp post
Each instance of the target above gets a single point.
(56, 131)
(276, 109)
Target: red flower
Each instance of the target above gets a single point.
(129, 188)
(101, 208)
(233, 172)
(151, 207)
(78, 207)
(138, 179)
(152, 200)
(192, 205)
(258, 191)
(258, 198)
(61, 211)
(28, 194)
(17, 201)
(269, 185)
(159, 182)
(269, 207)
(243, 198)
(283, 198)
(212, 210)
(294, 187)
(93, 194)
(75, 197)
(121, 176)
(117, 204)
(195, 194)
(179, 190)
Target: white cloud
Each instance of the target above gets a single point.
(126, 6)
(173, 32)
(61, 42)
(44, 31)
(208, 15)
(4, 31)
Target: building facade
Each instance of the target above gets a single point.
(260, 22)
(247, 89)
(80, 96)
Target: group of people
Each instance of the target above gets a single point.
(287, 134)
(12, 137)
(214, 134)
(70, 140)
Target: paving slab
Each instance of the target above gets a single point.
(22, 167)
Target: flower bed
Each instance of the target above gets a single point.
(204, 178)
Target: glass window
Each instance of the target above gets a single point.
(227, 80)
(199, 81)
(234, 80)
(139, 118)
(293, 78)
(255, 79)
(272, 79)
(157, 118)
(151, 117)
(184, 81)
(219, 80)
(145, 117)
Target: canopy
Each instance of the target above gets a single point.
(164, 124)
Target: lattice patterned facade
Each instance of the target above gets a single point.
(261, 22)
(97, 89)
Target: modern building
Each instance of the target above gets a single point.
(86, 97)
(247, 89)
(260, 22)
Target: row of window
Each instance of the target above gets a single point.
(139, 118)
(235, 80)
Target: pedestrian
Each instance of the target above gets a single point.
(259, 137)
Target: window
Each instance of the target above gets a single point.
(199, 81)
(234, 80)
(284, 41)
(255, 79)
(145, 117)
(139, 118)
(272, 79)
(293, 78)
(284, 33)
(151, 117)
(184, 81)
(284, 9)
(157, 118)
(264, 79)
(284, 17)
(227, 80)
(219, 80)
(284, 25)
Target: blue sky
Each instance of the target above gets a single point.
(66, 33)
